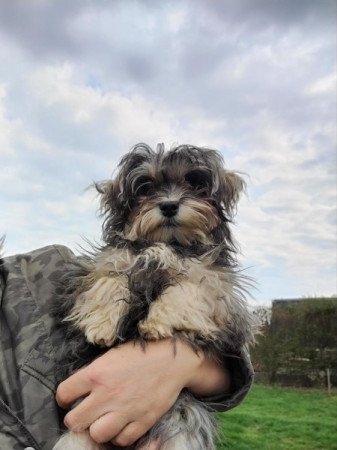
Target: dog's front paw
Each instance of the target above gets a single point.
(100, 335)
(150, 329)
(105, 342)
(97, 312)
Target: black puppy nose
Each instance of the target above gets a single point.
(169, 209)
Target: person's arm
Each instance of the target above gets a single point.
(127, 390)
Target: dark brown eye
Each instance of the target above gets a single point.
(143, 186)
(199, 179)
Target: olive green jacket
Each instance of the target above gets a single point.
(29, 339)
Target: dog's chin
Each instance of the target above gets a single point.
(170, 232)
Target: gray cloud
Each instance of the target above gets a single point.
(220, 56)
(47, 27)
(269, 13)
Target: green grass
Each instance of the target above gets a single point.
(281, 419)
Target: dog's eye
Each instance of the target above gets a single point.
(143, 186)
(198, 179)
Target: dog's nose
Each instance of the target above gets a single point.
(169, 209)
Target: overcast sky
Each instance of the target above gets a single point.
(82, 81)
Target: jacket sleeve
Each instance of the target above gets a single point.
(241, 372)
(29, 342)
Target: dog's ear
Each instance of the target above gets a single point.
(108, 191)
(113, 207)
(231, 186)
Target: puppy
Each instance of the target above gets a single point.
(167, 270)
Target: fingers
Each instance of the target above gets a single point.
(129, 435)
(76, 386)
(107, 427)
(135, 430)
(84, 414)
(116, 429)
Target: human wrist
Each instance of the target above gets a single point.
(209, 378)
(193, 370)
(189, 363)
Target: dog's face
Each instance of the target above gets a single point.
(182, 196)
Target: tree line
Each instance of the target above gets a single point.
(298, 342)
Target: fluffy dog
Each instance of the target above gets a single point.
(167, 270)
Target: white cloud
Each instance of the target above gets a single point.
(325, 85)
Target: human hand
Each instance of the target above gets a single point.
(127, 390)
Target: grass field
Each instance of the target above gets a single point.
(281, 419)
